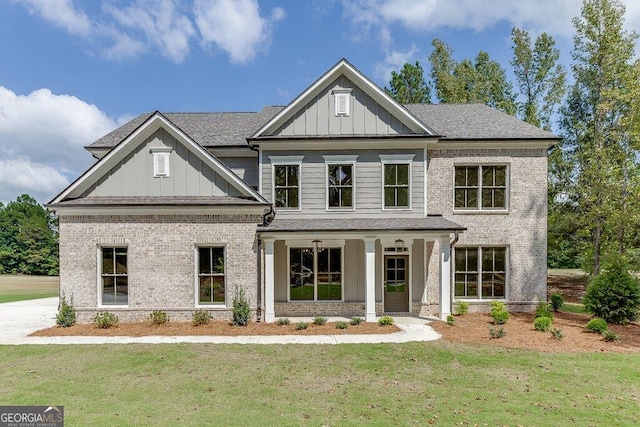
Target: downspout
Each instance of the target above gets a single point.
(456, 237)
(259, 284)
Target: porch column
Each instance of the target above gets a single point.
(370, 275)
(445, 278)
(269, 279)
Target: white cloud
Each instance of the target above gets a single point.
(235, 26)
(62, 13)
(393, 61)
(41, 141)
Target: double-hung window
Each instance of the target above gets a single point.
(480, 272)
(286, 182)
(211, 275)
(480, 187)
(114, 276)
(396, 181)
(341, 182)
(315, 275)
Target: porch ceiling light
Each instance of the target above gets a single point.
(399, 245)
(317, 245)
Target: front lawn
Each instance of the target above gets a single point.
(21, 287)
(409, 384)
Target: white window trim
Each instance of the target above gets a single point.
(397, 159)
(340, 160)
(196, 255)
(507, 274)
(385, 243)
(326, 244)
(286, 161)
(342, 94)
(99, 270)
(161, 154)
(479, 209)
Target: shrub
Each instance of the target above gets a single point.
(597, 325)
(462, 308)
(497, 306)
(241, 310)
(542, 324)
(451, 321)
(557, 301)
(66, 313)
(543, 310)
(610, 336)
(200, 317)
(356, 320)
(557, 333)
(319, 320)
(500, 317)
(105, 320)
(613, 295)
(300, 326)
(283, 321)
(341, 325)
(385, 321)
(497, 332)
(158, 317)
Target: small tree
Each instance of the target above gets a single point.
(613, 295)
(241, 310)
(66, 313)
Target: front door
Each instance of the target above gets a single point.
(396, 284)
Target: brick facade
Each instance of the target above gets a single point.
(161, 252)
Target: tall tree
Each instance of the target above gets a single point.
(539, 76)
(408, 86)
(480, 81)
(598, 140)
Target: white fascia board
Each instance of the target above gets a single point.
(159, 210)
(348, 144)
(491, 144)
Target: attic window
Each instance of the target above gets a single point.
(160, 162)
(342, 97)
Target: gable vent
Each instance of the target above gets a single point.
(160, 162)
(342, 97)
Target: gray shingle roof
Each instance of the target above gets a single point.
(159, 201)
(475, 121)
(430, 223)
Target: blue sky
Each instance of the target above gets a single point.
(73, 70)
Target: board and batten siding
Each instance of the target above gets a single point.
(368, 184)
(189, 175)
(245, 167)
(366, 116)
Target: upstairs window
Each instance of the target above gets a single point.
(396, 181)
(341, 181)
(160, 162)
(481, 187)
(287, 186)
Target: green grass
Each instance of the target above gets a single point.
(574, 308)
(21, 288)
(571, 272)
(289, 385)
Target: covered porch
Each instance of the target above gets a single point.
(357, 267)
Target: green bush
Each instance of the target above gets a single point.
(613, 295)
(542, 324)
(597, 325)
(241, 309)
(385, 321)
(158, 317)
(500, 317)
(557, 301)
(319, 320)
(66, 313)
(497, 332)
(283, 321)
(200, 317)
(451, 321)
(105, 320)
(462, 308)
(610, 336)
(557, 333)
(300, 326)
(356, 320)
(543, 310)
(341, 325)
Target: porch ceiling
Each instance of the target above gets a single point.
(428, 224)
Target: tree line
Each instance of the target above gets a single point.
(28, 238)
(594, 186)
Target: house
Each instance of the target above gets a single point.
(344, 202)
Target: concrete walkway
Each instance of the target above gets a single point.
(19, 319)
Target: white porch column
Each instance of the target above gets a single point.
(445, 278)
(269, 280)
(370, 275)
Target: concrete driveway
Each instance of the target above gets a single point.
(19, 319)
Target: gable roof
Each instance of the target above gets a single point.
(154, 122)
(343, 67)
(475, 122)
